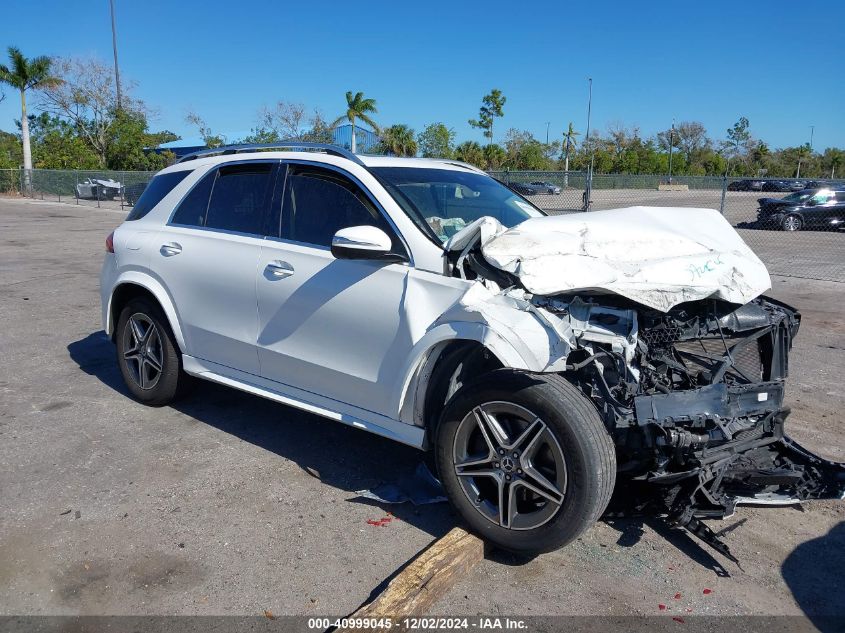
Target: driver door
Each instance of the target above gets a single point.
(332, 327)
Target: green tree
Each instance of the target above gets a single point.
(357, 107)
(569, 143)
(398, 140)
(26, 74)
(494, 156)
(437, 141)
(209, 138)
(491, 108)
(471, 152)
(832, 161)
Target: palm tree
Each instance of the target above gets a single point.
(399, 140)
(25, 74)
(357, 107)
(570, 142)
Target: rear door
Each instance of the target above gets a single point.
(207, 255)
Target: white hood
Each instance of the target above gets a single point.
(656, 256)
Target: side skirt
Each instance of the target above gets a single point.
(306, 401)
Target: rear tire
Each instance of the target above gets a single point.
(147, 353)
(548, 451)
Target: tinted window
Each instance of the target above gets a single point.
(238, 198)
(191, 211)
(159, 187)
(318, 203)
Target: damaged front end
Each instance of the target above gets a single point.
(690, 386)
(697, 410)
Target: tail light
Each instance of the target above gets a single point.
(110, 243)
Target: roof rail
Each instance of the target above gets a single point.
(253, 147)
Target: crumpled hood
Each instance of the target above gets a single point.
(656, 256)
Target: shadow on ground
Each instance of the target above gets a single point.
(813, 573)
(338, 455)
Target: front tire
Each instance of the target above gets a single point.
(792, 223)
(147, 353)
(525, 459)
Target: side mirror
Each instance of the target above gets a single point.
(364, 242)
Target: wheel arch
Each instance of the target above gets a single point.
(437, 356)
(133, 285)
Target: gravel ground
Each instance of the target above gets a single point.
(229, 504)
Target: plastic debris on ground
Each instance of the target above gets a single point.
(420, 488)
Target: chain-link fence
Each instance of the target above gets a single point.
(795, 227)
(97, 188)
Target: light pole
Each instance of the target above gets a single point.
(812, 131)
(671, 143)
(114, 47)
(548, 123)
(589, 187)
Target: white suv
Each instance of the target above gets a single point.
(427, 302)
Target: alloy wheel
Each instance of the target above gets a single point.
(509, 465)
(143, 351)
(791, 223)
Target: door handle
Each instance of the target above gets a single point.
(170, 249)
(280, 269)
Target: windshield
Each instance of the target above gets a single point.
(798, 196)
(443, 201)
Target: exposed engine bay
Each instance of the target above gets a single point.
(692, 395)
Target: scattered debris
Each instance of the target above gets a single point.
(661, 606)
(312, 471)
(68, 511)
(269, 614)
(77, 514)
(419, 487)
(677, 596)
(707, 592)
(678, 618)
(382, 522)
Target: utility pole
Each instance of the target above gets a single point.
(671, 143)
(114, 47)
(548, 123)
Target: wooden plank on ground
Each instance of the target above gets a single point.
(426, 579)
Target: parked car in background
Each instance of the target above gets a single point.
(98, 189)
(546, 187)
(132, 192)
(810, 208)
(746, 184)
(784, 185)
(526, 189)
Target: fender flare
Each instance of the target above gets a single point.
(159, 292)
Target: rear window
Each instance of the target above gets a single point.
(159, 187)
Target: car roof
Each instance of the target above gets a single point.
(324, 157)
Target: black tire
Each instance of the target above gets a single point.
(792, 223)
(589, 460)
(170, 380)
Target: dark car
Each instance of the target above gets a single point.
(131, 193)
(526, 189)
(746, 184)
(784, 185)
(810, 208)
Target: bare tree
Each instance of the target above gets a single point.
(86, 97)
(689, 136)
(286, 120)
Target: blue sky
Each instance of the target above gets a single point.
(778, 63)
